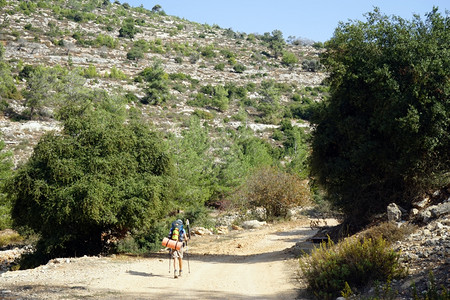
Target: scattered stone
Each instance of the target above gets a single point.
(394, 213)
(222, 229)
(236, 227)
(253, 224)
(201, 231)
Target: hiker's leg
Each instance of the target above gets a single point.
(180, 262)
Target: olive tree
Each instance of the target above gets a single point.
(384, 134)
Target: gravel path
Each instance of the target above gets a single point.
(244, 264)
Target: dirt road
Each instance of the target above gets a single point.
(249, 264)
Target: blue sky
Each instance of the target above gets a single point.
(311, 19)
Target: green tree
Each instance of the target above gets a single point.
(40, 89)
(128, 29)
(194, 165)
(7, 87)
(244, 153)
(275, 42)
(157, 90)
(5, 172)
(101, 174)
(289, 59)
(157, 8)
(384, 134)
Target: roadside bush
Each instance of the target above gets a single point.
(144, 240)
(331, 269)
(275, 190)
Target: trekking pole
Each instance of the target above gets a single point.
(170, 258)
(187, 254)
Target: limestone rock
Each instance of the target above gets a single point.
(253, 224)
(394, 213)
(201, 231)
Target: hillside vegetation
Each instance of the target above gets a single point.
(120, 119)
(221, 105)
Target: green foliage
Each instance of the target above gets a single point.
(5, 173)
(194, 166)
(245, 154)
(90, 71)
(100, 174)
(351, 264)
(384, 134)
(274, 190)
(128, 29)
(144, 240)
(40, 89)
(8, 88)
(239, 68)
(289, 59)
(157, 91)
(135, 53)
(219, 67)
(205, 115)
(117, 74)
(208, 51)
(106, 40)
(311, 65)
(275, 42)
(215, 96)
(432, 292)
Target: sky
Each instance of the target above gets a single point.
(311, 19)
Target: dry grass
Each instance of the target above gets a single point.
(9, 237)
(389, 231)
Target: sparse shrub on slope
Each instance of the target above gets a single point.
(332, 269)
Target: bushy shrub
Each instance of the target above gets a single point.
(128, 30)
(219, 67)
(289, 59)
(275, 190)
(239, 68)
(135, 53)
(352, 263)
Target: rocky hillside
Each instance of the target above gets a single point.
(112, 43)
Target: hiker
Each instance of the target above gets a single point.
(177, 233)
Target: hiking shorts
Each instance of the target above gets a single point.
(177, 253)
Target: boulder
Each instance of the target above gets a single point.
(201, 231)
(435, 211)
(394, 213)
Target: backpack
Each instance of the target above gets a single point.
(176, 232)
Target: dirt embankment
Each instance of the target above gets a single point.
(240, 265)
